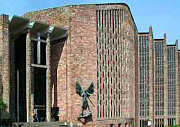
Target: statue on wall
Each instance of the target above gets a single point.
(85, 94)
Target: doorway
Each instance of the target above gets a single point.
(38, 80)
(20, 68)
(40, 93)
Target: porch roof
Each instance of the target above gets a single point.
(19, 25)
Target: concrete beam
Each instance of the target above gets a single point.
(48, 80)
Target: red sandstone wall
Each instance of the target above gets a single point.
(56, 16)
(1, 53)
(83, 56)
(76, 58)
(4, 58)
(130, 41)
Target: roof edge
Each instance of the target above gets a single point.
(143, 32)
(170, 44)
(159, 39)
(95, 4)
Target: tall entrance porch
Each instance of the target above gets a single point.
(30, 69)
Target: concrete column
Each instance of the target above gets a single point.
(179, 82)
(48, 80)
(165, 84)
(177, 87)
(32, 94)
(17, 96)
(151, 73)
(12, 80)
(28, 77)
(39, 49)
(137, 123)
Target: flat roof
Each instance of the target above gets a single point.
(124, 4)
(171, 45)
(19, 25)
(143, 32)
(160, 39)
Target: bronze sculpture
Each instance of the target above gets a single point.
(85, 97)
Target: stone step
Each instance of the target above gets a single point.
(44, 124)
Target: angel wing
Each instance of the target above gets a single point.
(90, 90)
(79, 89)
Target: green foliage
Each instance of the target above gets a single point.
(174, 126)
(3, 105)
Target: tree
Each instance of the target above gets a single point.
(3, 107)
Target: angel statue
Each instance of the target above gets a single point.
(85, 94)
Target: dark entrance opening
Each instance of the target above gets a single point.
(20, 68)
(38, 78)
(40, 93)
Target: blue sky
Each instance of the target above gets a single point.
(163, 15)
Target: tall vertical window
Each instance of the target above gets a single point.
(39, 52)
(171, 58)
(159, 78)
(109, 62)
(143, 41)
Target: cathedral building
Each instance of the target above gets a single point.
(43, 54)
(158, 89)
